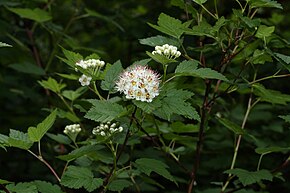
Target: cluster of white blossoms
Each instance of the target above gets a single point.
(169, 51)
(93, 66)
(75, 128)
(107, 129)
(90, 63)
(139, 82)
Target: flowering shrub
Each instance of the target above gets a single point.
(195, 113)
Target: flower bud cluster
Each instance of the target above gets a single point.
(168, 51)
(75, 128)
(139, 82)
(91, 63)
(107, 129)
(92, 67)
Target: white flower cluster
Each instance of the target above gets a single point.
(139, 82)
(92, 66)
(85, 80)
(91, 63)
(107, 129)
(169, 51)
(75, 128)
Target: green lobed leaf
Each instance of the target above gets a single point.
(82, 151)
(142, 62)
(266, 150)
(283, 59)
(147, 165)
(180, 127)
(77, 177)
(19, 139)
(264, 3)
(158, 41)
(271, 96)
(260, 57)
(173, 101)
(148, 107)
(46, 187)
(187, 67)
(119, 185)
(111, 76)
(63, 139)
(36, 133)
(52, 85)
(2, 44)
(36, 14)
(104, 111)
(203, 29)
(170, 26)
(248, 177)
(264, 31)
(28, 68)
(231, 126)
(26, 187)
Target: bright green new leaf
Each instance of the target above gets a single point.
(285, 117)
(266, 150)
(119, 185)
(104, 111)
(264, 3)
(84, 150)
(52, 85)
(160, 58)
(74, 94)
(232, 126)
(158, 41)
(173, 101)
(28, 68)
(36, 133)
(4, 182)
(187, 67)
(170, 26)
(36, 14)
(26, 187)
(271, 96)
(147, 165)
(71, 57)
(3, 140)
(19, 139)
(77, 177)
(200, 2)
(247, 177)
(264, 31)
(46, 187)
(111, 76)
(2, 44)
